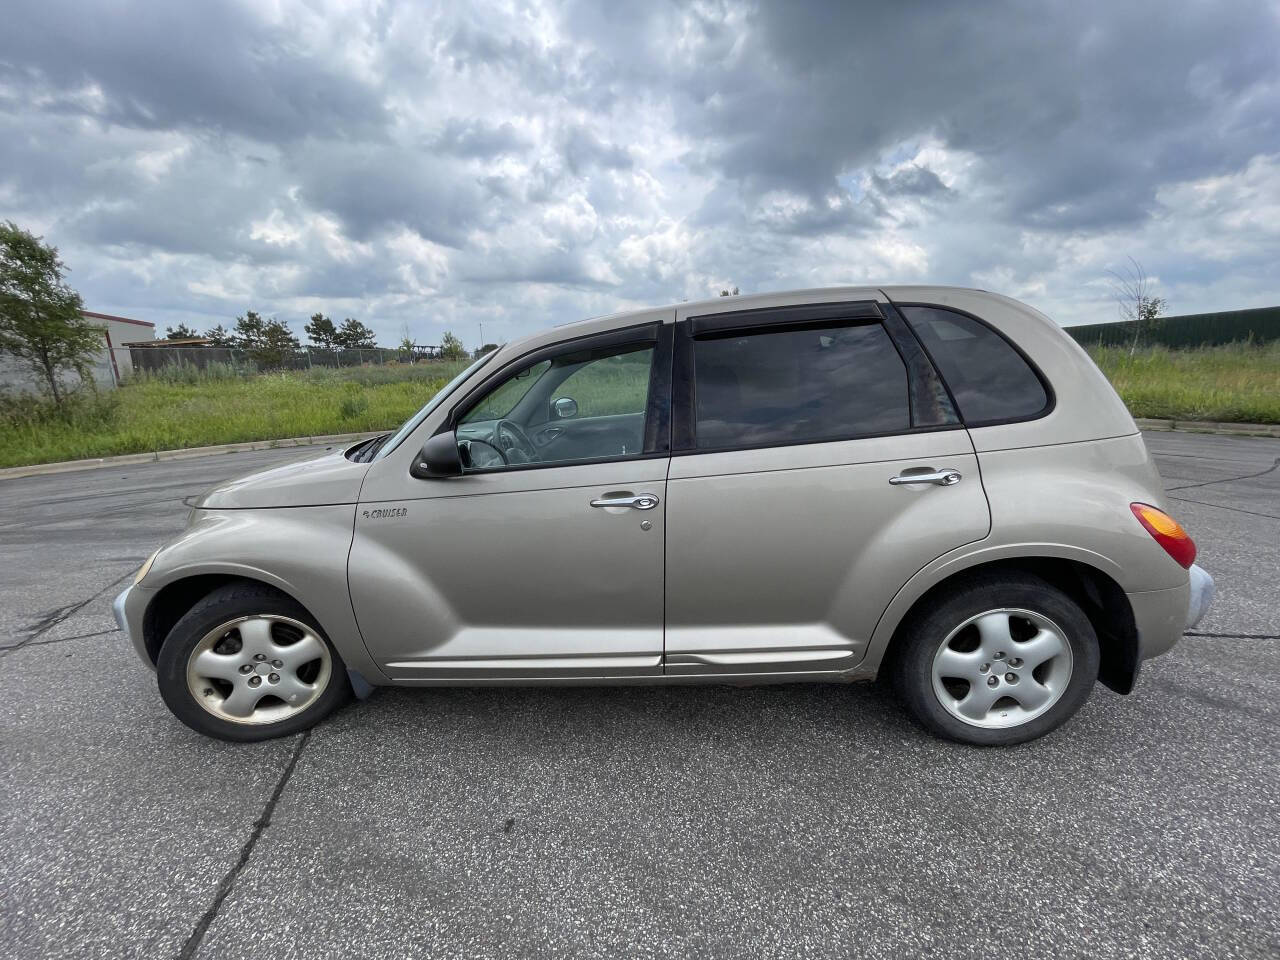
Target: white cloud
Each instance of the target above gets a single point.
(525, 163)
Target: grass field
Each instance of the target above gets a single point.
(1237, 383)
(156, 413)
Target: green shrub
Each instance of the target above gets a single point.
(84, 408)
(353, 406)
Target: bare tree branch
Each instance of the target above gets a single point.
(1136, 303)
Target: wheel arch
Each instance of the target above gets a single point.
(1092, 588)
(175, 598)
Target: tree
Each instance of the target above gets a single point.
(729, 293)
(321, 331)
(249, 329)
(220, 336)
(180, 332)
(41, 318)
(487, 348)
(353, 334)
(406, 343)
(269, 343)
(451, 347)
(1132, 291)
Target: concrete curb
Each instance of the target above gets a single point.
(1209, 426)
(190, 453)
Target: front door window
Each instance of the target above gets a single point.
(584, 406)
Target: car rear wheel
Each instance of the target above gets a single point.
(248, 663)
(998, 660)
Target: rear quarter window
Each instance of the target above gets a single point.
(990, 380)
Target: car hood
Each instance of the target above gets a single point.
(314, 481)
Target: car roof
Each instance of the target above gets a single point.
(1085, 406)
(671, 312)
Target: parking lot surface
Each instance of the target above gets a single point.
(638, 822)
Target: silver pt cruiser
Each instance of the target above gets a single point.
(930, 484)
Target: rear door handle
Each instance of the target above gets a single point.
(942, 478)
(641, 501)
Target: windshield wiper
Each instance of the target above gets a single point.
(364, 452)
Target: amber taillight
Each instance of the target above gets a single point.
(1167, 532)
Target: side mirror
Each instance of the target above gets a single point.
(439, 458)
(565, 408)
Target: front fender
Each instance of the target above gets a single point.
(301, 551)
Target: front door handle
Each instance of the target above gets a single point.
(641, 501)
(942, 478)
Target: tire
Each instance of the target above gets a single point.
(202, 675)
(947, 671)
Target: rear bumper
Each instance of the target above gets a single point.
(1161, 616)
(1203, 591)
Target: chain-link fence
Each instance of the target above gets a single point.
(115, 365)
(154, 359)
(17, 377)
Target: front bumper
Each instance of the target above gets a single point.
(128, 609)
(117, 608)
(1203, 591)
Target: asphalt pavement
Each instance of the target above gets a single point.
(806, 821)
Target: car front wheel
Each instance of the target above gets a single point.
(248, 663)
(998, 660)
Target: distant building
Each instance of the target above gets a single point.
(118, 331)
(112, 362)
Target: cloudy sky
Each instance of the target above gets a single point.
(433, 166)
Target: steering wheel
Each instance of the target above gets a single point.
(504, 429)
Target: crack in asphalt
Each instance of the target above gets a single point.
(59, 615)
(1248, 476)
(229, 881)
(45, 643)
(1220, 506)
(1218, 703)
(124, 510)
(127, 492)
(1233, 636)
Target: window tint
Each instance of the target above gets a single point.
(988, 378)
(796, 384)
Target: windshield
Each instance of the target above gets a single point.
(412, 423)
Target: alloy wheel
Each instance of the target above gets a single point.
(1002, 668)
(258, 669)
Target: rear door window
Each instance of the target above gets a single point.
(990, 380)
(798, 384)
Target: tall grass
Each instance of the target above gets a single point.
(187, 407)
(191, 375)
(153, 412)
(1234, 383)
